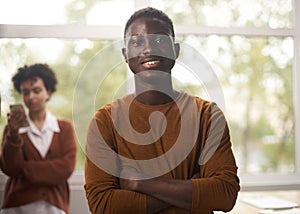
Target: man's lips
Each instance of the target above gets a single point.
(151, 63)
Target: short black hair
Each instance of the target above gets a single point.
(150, 12)
(33, 71)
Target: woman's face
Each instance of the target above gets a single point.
(150, 46)
(35, 94)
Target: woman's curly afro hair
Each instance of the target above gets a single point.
(31, 72)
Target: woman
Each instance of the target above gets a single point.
(39, 158)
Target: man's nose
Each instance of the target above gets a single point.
(149, 45)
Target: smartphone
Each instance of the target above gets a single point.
(15, 107)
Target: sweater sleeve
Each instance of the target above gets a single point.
(218, 185)
(101, 181)
(58, 167)
(105, 196)
(11, 157)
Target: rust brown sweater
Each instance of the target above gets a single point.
(33, 178)
(184, 149)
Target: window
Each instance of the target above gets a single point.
(252, 47)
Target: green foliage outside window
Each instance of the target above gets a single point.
(255, 74)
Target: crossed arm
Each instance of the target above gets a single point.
(108, 194)
(161, 193)
(211, 189)
(215, 187)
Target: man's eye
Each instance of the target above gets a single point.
(136, 42)
(159, 40)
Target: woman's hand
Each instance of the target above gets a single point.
(15, 120)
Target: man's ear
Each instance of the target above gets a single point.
(177, 50)
(124, 54)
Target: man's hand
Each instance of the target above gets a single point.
(129, 178)
(170, 191)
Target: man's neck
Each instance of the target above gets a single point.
(155, 91)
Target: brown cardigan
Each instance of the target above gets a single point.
(33, 178)
(215, 189)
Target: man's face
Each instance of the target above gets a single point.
(150, 46)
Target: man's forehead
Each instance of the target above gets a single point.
(145, 22)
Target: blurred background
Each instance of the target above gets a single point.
(252, 47)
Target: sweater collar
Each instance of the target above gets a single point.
(50, 124)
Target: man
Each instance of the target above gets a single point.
(158, 150)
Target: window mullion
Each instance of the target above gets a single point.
(233, 31)
(296, 83)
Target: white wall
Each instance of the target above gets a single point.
(78, 203)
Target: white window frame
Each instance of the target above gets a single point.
(257, 182)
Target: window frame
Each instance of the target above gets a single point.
(248, 182)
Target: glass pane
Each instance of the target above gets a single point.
(231, 13)
(69, 59)
(256, 79)
(35, 12)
